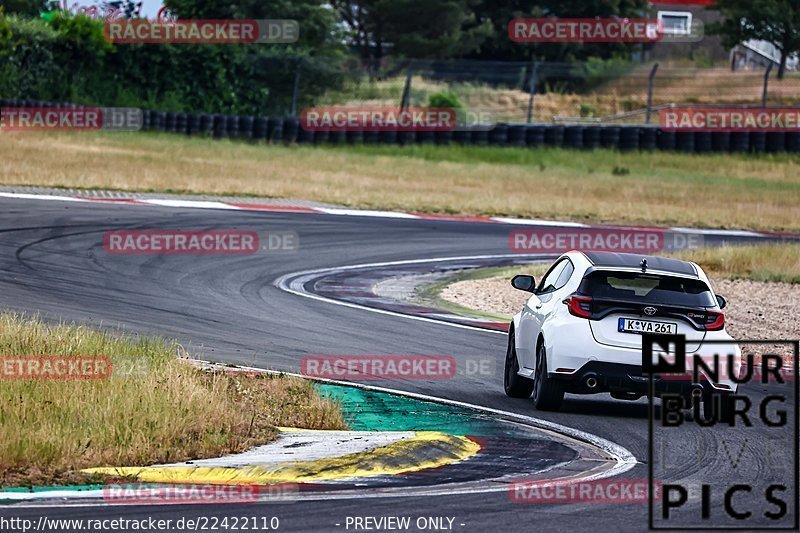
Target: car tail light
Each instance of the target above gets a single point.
(715, 321)
(580, 306)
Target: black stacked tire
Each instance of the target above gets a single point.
(666, 140)
(573, 137)
(425, 137)
(192, 124)
(554, 135)
(371, 137)
(591, 137)
(275, 128)
(793, 141)
(480, 137)
(498, 135)
(305, 136)
(388, 137)
(157, 121)
(740, 141)
(721, 141)
(776, 141)
(648, 136)
(758, 141)
(406, 137)
(260, 128)
(220, 127)
(534, 136)
(629, 138)
(322, 137)
(337, 137)
(181, 123)
(291, 128)
(684, 141)
(246, 123)
(169, 122)
(443, 137)
(703, 142)
(516, 135)
(609, 137)
(232, 126)
(462, 136)
(355, 137)
(206, 124)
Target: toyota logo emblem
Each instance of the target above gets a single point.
(650, 311)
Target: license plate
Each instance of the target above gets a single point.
(635, 325)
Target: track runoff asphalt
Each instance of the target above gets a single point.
(226, 308)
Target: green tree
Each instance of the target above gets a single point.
(317, 21)
(774, 21)
(499, 47)
(410, 28)
(29, 8)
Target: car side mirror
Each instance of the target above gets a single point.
(721, 301)
(524, 283)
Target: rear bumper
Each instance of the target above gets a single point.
(599, 376)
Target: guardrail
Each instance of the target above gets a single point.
(574, 136)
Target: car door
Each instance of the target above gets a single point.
(533, 314)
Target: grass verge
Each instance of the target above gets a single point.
(152, 408)
(758, 262)
(760, 192)
(762, 262)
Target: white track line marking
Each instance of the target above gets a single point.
(340, 211)
(293, 283)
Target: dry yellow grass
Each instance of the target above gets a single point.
(674, 83)
(654, 188)
(763, 262)
(162, 409)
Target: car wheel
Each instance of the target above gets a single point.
(515, 385)
(547, 392)
(724, 409)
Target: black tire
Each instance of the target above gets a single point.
(515, 385)
(724, 409)
(547, 392)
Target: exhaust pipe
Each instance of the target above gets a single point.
(591, 382)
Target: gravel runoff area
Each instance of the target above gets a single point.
(756, 310)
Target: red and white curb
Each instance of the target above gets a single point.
(235, 206)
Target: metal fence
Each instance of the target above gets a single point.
(527, 92)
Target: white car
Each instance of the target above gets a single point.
(581, 330)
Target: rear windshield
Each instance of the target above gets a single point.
(631, 286)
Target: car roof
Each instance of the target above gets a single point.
(620, 260)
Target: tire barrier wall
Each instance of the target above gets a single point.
(578, 137)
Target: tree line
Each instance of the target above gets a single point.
(48, 54)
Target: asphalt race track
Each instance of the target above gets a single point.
(226, 308)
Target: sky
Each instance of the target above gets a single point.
(149, 7)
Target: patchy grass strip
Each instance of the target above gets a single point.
(761, 262)
(760, 191)
(152, 407)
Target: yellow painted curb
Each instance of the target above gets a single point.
(427, 449)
